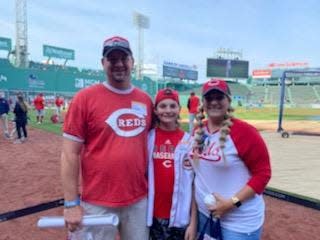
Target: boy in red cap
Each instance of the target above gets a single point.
(171, 209)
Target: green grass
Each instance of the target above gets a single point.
(47, 125)
(272, 113)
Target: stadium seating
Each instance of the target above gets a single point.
(258, 94)
(296, 95)
(303, 94)
(316, 89)
(238, 89)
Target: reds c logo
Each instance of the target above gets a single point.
(213, 82)
(127, 122)
(211, 153)
(167, 163)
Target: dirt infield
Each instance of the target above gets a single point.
(29, 175)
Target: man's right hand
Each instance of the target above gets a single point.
(73, 217)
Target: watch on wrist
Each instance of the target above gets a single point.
(236, 202)
(73, 203)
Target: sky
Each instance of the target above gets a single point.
(184, 32)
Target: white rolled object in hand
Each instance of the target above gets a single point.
(88, 220)
(209, 200)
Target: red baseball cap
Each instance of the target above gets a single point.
(116, 43)
(165, 94)
(216, 84)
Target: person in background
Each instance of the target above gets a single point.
(39, 104)
(171, 209)
(12, 102)
(59, 104)
(193, 104)
(4, 110)
(232, 164)
(105, 131)
(20, 111)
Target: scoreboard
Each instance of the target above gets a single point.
(179, 71)
(227, 68)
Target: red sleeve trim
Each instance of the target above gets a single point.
(75, 119)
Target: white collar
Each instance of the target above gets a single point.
(117, 90)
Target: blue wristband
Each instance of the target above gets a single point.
(73, 203)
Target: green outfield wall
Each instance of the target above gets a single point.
(55, 80)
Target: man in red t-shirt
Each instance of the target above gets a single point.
(105, 131)
(39, 103)
(193, 104)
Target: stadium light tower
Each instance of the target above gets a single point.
(141, 22)
(21, 50)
